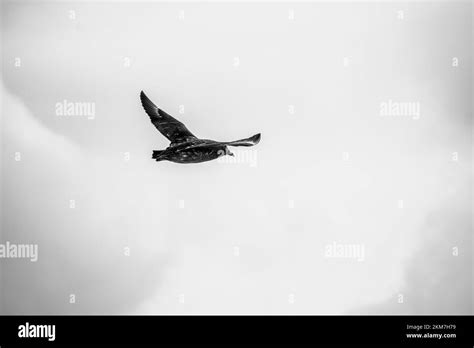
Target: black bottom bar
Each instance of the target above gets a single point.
(291, 330)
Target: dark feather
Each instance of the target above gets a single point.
(171, 128)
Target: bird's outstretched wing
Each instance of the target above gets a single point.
(170, 127)
(253, 140)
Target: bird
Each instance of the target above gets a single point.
(184, 146)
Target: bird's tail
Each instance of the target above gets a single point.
(253, 140)
(157, 155)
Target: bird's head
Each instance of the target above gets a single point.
(227, 152)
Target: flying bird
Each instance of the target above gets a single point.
(185, 147)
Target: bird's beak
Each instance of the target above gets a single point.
(231, 154)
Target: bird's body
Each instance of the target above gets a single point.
(186, 153)
(186, 147)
